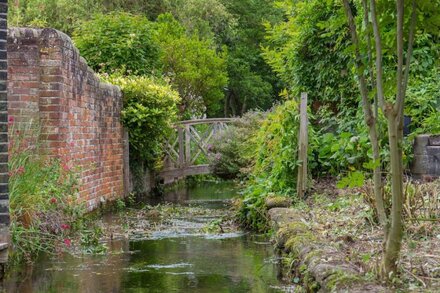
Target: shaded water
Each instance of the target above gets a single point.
(177, 260)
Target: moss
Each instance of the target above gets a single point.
(309, 283)
(311, 254)
(278, 202)
(297, 242)
(341, 279)
(288, 231)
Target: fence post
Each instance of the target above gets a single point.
(302, 148)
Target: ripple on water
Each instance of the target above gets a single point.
(170, 266)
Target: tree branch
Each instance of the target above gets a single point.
(359, 64)
(379, 66)
(412, 32)
(400, 20)
(367, 25)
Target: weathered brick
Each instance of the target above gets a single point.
(80, 117)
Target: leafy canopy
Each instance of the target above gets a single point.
(192, 65)
(118, 41)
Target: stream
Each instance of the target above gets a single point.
(177, 257)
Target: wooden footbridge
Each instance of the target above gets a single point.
(188, 148)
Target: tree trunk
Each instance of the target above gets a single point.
(395, 233)
(226, 105)
(370, 119)
(377, 177)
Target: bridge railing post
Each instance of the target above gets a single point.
(187, 145)
(181, 147)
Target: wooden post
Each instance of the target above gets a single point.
(302, 148)
(187, 145)
(181, 146)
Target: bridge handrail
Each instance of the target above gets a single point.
(204, 121)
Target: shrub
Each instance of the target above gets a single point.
(149, 110)
(118, 41)
(275, 166)
(43, 195)
(423, 103)
(231, 151)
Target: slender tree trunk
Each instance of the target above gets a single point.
(395, 234)
(395, 134)
(370, 119)
(233, 104)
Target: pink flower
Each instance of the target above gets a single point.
(20, 170)
(66, 167)
(65, 227)
(53, 200)
(10, 120)
(68, 242)
(72, 144)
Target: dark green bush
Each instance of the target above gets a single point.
(120, 42)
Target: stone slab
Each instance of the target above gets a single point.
(434, 140)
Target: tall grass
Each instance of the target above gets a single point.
(43, 194)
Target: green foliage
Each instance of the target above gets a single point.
(120, 42)
(63, 15)
(43, 195)
(307, 51)
(149, 110)
(193, 67)
(231, 153)
(275, 163)
(353, 179)
(252, 84)
(210, 19)
(342, 152)
(423, 103)
(276, 152)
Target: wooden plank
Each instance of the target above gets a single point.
(302, 148)
(187, 171)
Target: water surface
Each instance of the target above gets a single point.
(176, 259)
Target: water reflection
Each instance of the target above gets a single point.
(238, 262)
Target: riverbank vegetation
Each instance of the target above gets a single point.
(43, 192)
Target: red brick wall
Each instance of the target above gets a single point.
(80, 116)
